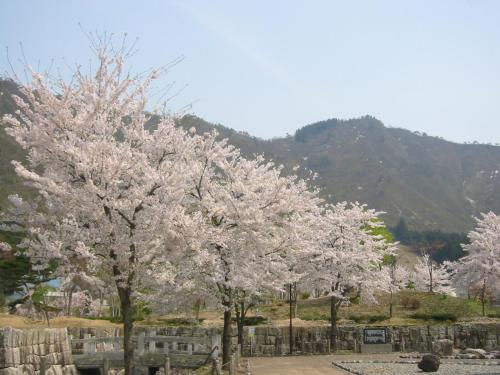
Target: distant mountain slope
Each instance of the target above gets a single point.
(9, 149)
(432, 183)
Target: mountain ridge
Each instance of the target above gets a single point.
(433, 183)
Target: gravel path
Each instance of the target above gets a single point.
(365, 364)
(411, 368)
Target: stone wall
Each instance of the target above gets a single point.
(187, 331)
(24, 352)
(274, 341)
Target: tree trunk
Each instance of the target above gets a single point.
(334, 304)
(101, 299)
(227, 333)
(240, 320)
(197, 308)
(48, 319)
(70, 300)
(390, 306)
(226, 338)
(128, 324)
(430, 277)
(290, 326)
(483, 295)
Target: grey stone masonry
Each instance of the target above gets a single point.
(274, 341)
(25, 352)
(22, 352)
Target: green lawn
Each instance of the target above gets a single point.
(409, 308)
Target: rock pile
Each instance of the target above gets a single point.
(429, 363)
(471, 353)
(25, 352)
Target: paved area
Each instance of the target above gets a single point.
(322, 365)
(300, 365)
(309, 365)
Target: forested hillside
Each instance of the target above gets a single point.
(431, 183)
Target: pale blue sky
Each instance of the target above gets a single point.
(270, 67)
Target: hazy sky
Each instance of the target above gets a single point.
(270, 67)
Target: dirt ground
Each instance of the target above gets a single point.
(20, 322)
(211, 319)
(307, 365)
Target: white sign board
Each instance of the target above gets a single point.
(374, 336)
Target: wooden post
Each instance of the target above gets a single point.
(152, 343)
(116, 344)
(216, 343)
(43, 365)
(231, 365)
(216, 367)
(167, 365)
(86, 345)
(105, 366)
(247, 368)
(140, 343)
(238, 356)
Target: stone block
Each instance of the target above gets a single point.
(478, 353)
(376, 348)
(70, 370)
(270, 340)
(9, 371)
(443, 347)
(267, 350)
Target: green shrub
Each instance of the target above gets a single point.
(410, 302)
(439, 316)
(368, 318)
(403, 300)
(254, 320)
(493, 315)
(305, 295)
(112, 319)
(314, 316)
(141, 311)
(181, 321)
(414, 303)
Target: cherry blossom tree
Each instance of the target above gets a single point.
(112, 193)
(480, 268)
(298, 260)
(429, 276)
(347, 257)
(74, 283)
(253, 217)
(399, 277)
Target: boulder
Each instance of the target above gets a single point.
(443, 347)
(429, 363)
(478, 353)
